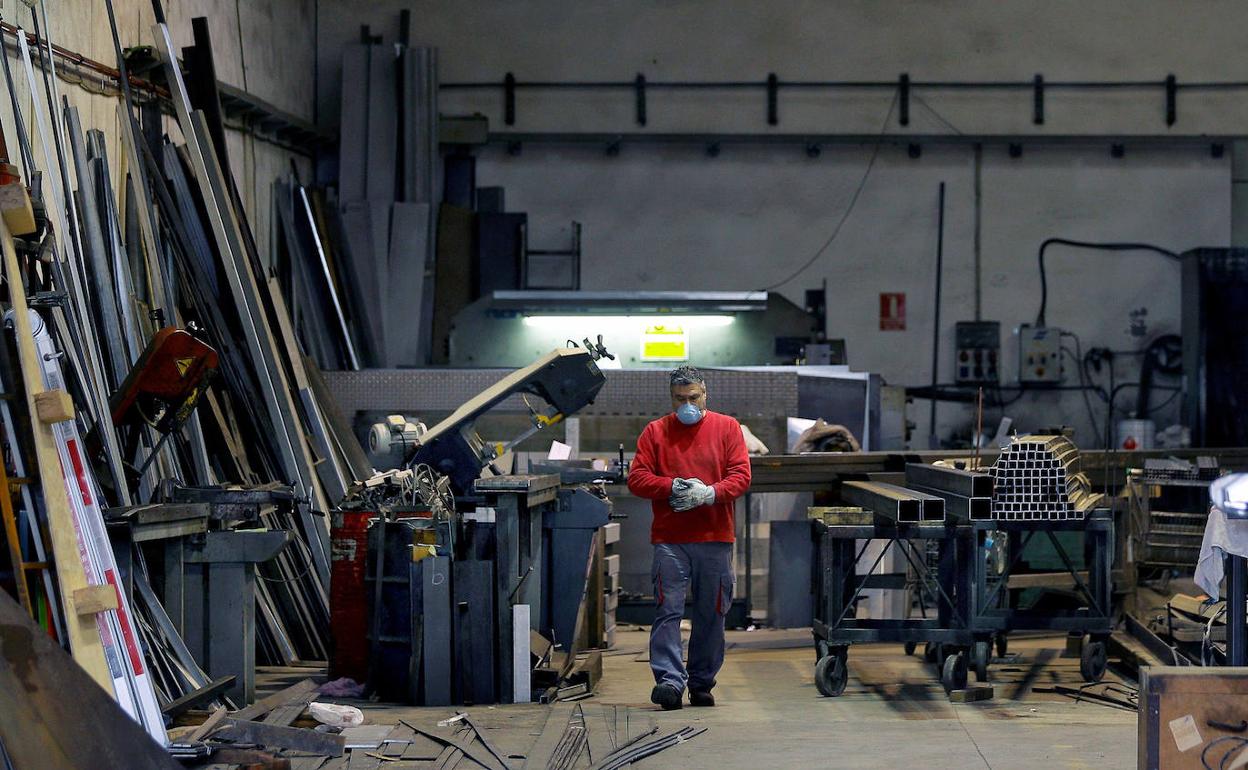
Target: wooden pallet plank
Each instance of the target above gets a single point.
(84, 637)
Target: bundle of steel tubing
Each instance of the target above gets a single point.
(967, 495)
(897, 503)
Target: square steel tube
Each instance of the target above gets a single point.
(959, 482)
(960, 507)
(892, 501)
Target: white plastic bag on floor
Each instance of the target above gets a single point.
(336, 716)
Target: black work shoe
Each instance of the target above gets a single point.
(701, 698)
(666, 696)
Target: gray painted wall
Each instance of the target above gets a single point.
(263, 46)
(672, 218)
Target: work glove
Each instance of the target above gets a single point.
(690, 493)
(683, 495)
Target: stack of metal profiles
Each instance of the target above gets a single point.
(169, 243)
(1165, 469)
(388, 197)
(1039, 478)
(967, 495)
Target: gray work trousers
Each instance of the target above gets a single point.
(703, 574)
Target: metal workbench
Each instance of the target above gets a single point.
(838, 586)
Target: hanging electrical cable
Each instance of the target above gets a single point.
(1044, 282)
(849, 209)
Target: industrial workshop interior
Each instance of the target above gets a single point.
(553, 385)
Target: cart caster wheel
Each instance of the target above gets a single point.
(953, 673)
(822, 650)
(932, 652)
(1003, 645)
(831, 675)
(1093, 661)
(911, 647)
(981, 654)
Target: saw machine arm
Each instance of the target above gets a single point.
(568, 379)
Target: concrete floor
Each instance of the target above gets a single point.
(893, 713)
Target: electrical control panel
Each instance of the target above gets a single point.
(1039, 355)
(978, 350)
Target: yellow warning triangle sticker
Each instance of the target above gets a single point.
(183, 365)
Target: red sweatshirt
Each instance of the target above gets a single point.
(712, 450)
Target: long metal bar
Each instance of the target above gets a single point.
(881, 85)
(867, 630)
(638, 753)
(333, 480)
(969, 508)
(484, 741)
(465, 746)
(702, 139)
(79, 343)
(130, 136)
(131, 682)
(885, 499)
(329, 278)
(159, 282)
(959, 482)
(1140, 632)
(820, 472)
(244, 292)
(23, 139)
(284, 415)
(77, 262)
(199, 267)
(123, 285)
(932, 440)
(68, 202)
(933, 506)
(100, 275)
(164, 625)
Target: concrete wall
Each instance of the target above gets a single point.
(263, 46)
(673, 218)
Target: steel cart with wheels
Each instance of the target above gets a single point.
(993, 616)
(838, 586)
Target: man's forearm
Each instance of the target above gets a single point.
(648, 485)
(731, 487)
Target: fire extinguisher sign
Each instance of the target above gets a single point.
(892, 311)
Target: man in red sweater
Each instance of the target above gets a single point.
(692, 465)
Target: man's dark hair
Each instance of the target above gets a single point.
(687, 375)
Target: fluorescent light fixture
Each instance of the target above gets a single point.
(605, 323)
